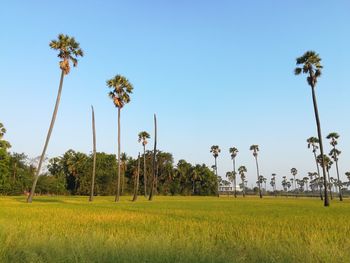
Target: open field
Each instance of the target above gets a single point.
(173, 229)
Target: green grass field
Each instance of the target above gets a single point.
(173, 229)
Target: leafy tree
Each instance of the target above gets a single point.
(233, 152)
(4, 161)
(69, 51)
(273, 183)
(120, 94)
(215, 150)
(334, 153)
(143, 136)
(310, 63)
(255, 149)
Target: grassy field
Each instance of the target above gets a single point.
(174, 229)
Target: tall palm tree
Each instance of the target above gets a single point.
(327, 163)
(234, 151)
(93, 154)
(120, 95)
(333, 136)
(242, 170)
(143, 136)
(68, 52)
(273, 183)
(312, 142)
(310, 63)
(215, 150)
(255, 149)
(154, 161)
(294, 172)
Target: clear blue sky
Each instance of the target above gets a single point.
(215, 72)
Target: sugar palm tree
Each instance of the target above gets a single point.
(120, 95)
(347, 174)
(327, 163)
(68, 52)
(242, 170)
(234, 151)
(312, 142)
(273, 183)
(333, 136)
(215, 150)
(255, 149)
(143, 136)
(294, 172)
(310, 63)
(137, 179)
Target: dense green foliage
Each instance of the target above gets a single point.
(173, 229)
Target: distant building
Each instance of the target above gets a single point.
(229, 188)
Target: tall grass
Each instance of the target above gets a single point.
(173, 229)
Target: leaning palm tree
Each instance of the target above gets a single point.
(310, 63)
(333, 136)
(312, 142)
(68, 52)
(234, 151)
(143, 136)
(215, 150)
(255, 149)
(120, 95)
(242, 170)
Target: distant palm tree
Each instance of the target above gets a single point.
(333, 136)
(255, 149)
(312, 142)
(273, 183)
(306, 180)
(241, 170)
(120, 94)
(327, 163)
(69, 51)
(124, 164)
(215, 150)
(347, 174)
(143, 136)
(234, 151)
(310, 64)
(294, 172)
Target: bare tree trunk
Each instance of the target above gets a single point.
(144, 171)
(32, 191)
(154, 160)
(319, 133)
(257, 170)
(318, 173)
(340, 191)
(118, 179)
(329, 185)
(234, 181)
(94, 155)
(216, 173)
(136, 189)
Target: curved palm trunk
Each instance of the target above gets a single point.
(136, 189)
(234, 180)
(318, 173)
(32, 191)
(257, 170)
(118, 179)
(94, 156)
(144, 171)
(154, 160)
(319, 133)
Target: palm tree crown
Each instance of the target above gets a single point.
(143, 136)
(121, 90)
(312, 142)
(69, 50)
(215, 150)
(233, 151)
(255, 149)
(310, 63)
(333, 136)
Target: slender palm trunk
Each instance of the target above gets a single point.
(216, 173)
(318, 173)
(329, 185)
(118, 179)
(144, 171)
(234, 179)
(257, 171)
(136, 189)
(32, 191)
(94, 156)
(154, 160)
(319, 133)
(340, 192)
(243, 190)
